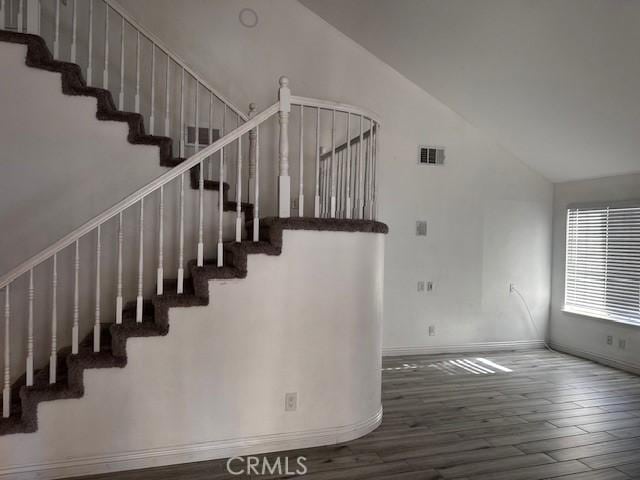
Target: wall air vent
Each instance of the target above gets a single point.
(430, 155)
(205, 136)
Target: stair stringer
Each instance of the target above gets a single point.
(142, 415)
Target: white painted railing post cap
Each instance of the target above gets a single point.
(284, 94)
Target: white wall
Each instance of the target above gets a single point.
(577, 333)
(489, 215)
(215, 385)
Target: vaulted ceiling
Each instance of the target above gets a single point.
(556, 82)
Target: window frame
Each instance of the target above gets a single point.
(570, 309)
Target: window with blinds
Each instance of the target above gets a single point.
(603, 262)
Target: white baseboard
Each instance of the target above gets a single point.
(192, 453)
(467, 347)
(598, 358)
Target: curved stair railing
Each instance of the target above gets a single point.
(343, 186)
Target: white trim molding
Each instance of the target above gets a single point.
(467, 347)
(598, 358)
(193, 453)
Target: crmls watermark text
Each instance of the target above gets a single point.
(263, 466)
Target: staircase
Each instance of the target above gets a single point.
(341, 186)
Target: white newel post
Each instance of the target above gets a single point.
(251, 187)
(284, 181)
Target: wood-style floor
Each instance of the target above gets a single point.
(510, 416)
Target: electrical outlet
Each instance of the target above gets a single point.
(294, 203)
(429, 286)
(432, 330)
(291, 402)
(609, 339)
(512, 287)
(622, 343)
(421, 228)
(421, 285)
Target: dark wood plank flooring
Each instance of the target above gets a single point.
(493, 416)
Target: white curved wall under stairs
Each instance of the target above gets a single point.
(307, 321)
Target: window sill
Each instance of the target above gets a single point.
(581, 313)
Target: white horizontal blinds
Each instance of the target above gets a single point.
(603, 262)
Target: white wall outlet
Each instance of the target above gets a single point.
(421, 285)
(622, 343)
(609, 339)
(512, 287)
(421, 228)
(432, 330)
(429, 286)
(290, 402)
(294, 203)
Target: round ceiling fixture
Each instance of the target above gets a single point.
(248, 17)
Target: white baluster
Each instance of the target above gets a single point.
(53, 358)
(359, 205)
(2, 14)
(200, 259)
(153, 89)
(220, 258)
(122, 35)
(160, 273)
(74, 31)
(76, 300)
(256, 198)
(119, 285)
(180, 287)
(348, 193)
(90, 57)
(367, 212)
(167, 124)
(301, 160)
(252, 156)
(335, 170)
(239, 191)
(19, 24)
(6, 390)
(105, 72)
(33, 17)
(56, 38)
(210, 140)
(340, 182)
(30, 332)
(182, 115)
(137, 98)
(374, 187)
(321, 186)
(323, 164)
(343, 176)
(139, 298)
(284, 181)
(316, 204)
(96, 324)
(332, 165)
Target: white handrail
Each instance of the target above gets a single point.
(174, 173)
(338, 107)
(132, 199)
(152, 38)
